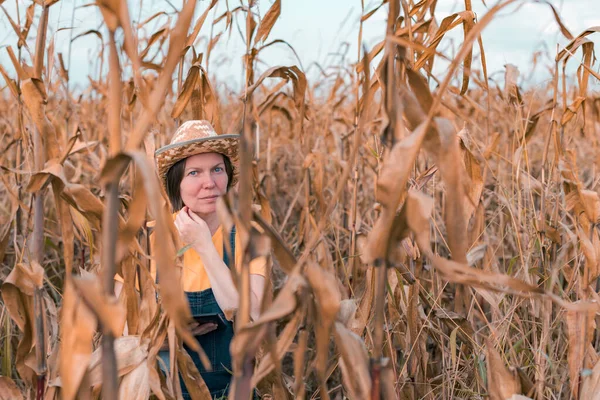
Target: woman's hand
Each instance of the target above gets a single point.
(197, 330)
(193, 230)
(202, 329)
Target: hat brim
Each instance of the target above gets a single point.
(227, 145)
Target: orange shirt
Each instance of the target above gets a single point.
(194, 276)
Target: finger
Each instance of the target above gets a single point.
(204, 328)
(195, 217)
(191, 214)
(208, 328)
(185, 217)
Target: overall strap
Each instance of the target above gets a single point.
(232, 246)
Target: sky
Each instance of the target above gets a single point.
(323, 32)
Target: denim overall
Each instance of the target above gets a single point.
(215, 344)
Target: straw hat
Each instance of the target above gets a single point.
(196, 137)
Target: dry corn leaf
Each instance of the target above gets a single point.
(580, 328)
(533, 121)
(360, 67)
(373, 11)
(584, 70)
(6, 229)
(511, 87)
(171, 291)
(137, 215)
(590, 386)
(283, 254)
(205, 102)
(354, 362)
(284, 342)
(110, 314)
(324, 286)
(568, 210)
(419, 207)
(571, 110)
(35, 98)
(502, 384)
(83, 200)
(52, 170)
(390, 188)
(192, 37)
(575, 43)
(129, 296)
(116, 13)
(299, 361)
(347, 312)
(563, 29)
(89, 32)
(157, 97)
(12, 85)
(191, 377)
(297, 77)
(250, 27)
(248, 338)
(446, 25)
(213, 43)
(449, 160)
(468, 23)
(268, 21)
(22, 33)
(9, 390)
(285, 303)
(474, 186)
(159, 34)
(157, 334)
(592, 255)
(76, 342)
(420, 89)
(18, 293)
(189, 85)
(130, 351)
(135, 385)
(591, 204)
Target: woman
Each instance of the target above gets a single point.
(196, 168)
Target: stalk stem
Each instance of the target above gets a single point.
(110, 389)
(109, 235)
(37, 244)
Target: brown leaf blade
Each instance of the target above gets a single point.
(502, 384)
(9, 389)
(268, 21)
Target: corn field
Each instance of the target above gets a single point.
(429, 235)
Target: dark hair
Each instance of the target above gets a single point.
(175, 176)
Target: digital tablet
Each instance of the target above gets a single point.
(209, 318)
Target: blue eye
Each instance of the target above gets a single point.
(218, 169)
(192, 173)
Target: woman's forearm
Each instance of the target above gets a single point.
(220, 278)
(223, 286)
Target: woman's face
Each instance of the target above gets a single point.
(204, 180)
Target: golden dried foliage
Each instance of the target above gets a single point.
(419, 241)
